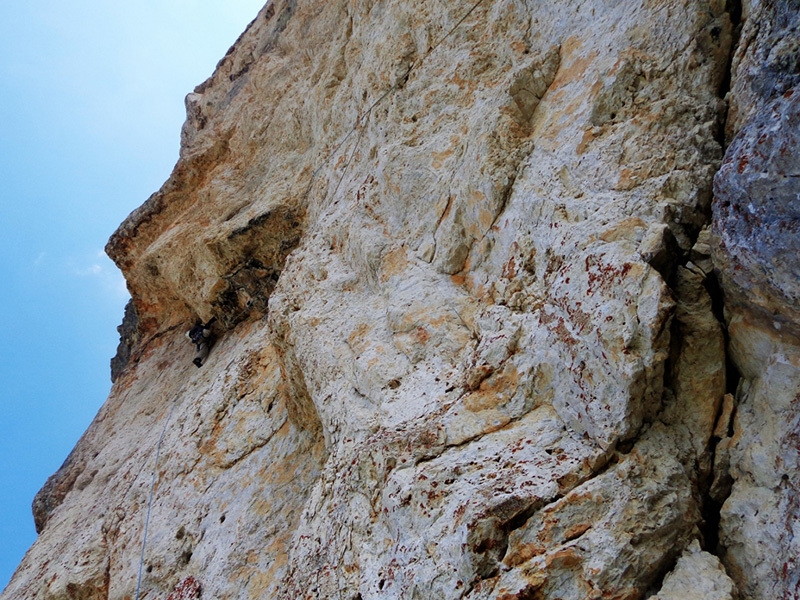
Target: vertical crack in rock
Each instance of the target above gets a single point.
(700, 346)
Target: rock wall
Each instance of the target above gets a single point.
(757, 237)
(480, 330)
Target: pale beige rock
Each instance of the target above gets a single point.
(697, 576)
(231, 470)
(759, 525)
(609, 537)
(724, 423)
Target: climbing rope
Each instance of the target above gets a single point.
(360, 122)
(152, 493)
(362, 119)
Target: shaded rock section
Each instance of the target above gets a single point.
(756, 231)
(129, 337)
(757, 215)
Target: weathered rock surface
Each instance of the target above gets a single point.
(468, 342)
(756, 246)
(128, 340)
(697, 576)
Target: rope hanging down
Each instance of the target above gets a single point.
(361, 120)
(358, 124)
(152, 493)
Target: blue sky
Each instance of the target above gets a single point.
(91, 104)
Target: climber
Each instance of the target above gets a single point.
(200, 335)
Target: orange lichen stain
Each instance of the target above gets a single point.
(578, 497)
(440, 321)
(480, 291)
(259, 580)
(566, 558)
(356, 338)
(521, 553)
(576, 531)
(477, 198)
(394, 262)
(624, 230)
(468, 85)
(636, 271)
(287, 471)
(341, 161)
(571, 108)
(421, 335)
(457, 279)
(519, 46)
(551, 531)
(505, 383)
(258, 585)
(571, 44)
(588, 136)
(551, 128)
(493, 391)
(571, 71)
(277, 549)
(627, 180)
(485, 218)
(595, 88)
(439, 157)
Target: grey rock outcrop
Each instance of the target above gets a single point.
(128, 340)
(756, 228)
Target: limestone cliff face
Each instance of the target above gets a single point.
(469, 331)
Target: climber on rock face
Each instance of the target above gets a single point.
(200, 335)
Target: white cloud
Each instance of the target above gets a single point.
(101, 269)
(100, 266)
(89, 271)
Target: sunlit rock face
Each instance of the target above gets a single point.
(468, 337)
